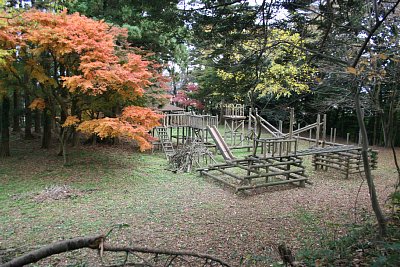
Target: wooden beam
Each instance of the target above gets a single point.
(247, 187)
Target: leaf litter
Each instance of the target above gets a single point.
(57, 192)
(184, 211)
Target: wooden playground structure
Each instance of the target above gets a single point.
(234, 128)
(184, 139)
(275, 160)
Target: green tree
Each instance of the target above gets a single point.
(242, 54)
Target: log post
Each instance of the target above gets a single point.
(347, 167)
(315, 160)
(291, 122)
(298, 128)
(318, 130)
(249, 122)
(334, 135)
(324, 123)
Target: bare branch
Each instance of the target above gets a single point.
(164, 252)
(55, 248)
(97, 242)
(372, 32)
(225, 4)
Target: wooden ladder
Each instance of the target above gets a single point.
(165, 141)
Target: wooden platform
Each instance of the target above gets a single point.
(281, 163)
(251, 172)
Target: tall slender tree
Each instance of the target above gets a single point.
(347, 32)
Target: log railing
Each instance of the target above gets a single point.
(190, 120)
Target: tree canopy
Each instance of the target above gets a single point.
(79, 70)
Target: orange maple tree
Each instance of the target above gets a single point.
(80, 63)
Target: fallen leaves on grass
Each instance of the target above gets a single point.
(57, 192)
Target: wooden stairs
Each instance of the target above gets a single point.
(165, 141)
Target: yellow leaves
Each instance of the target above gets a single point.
(351, 70)
(105, 127)
(284, 79)
(383, 56)
(208, 28)
(237, 76)
(70, 121)
(286, 36)
(224, 75)
(359, 70)
(37, 103)
(37, 72)
(286, 70)
(280, 77)
(42, 78)
(4, 54)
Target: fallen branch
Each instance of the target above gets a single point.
(55, 248)
(97, 242)
(165, 252)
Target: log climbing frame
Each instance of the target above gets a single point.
(251, 172)
(234, 128)
(182, 129)
(281, 163)
(276, 160)
(346, 162)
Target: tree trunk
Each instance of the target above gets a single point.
(5, 125)
(46, 138)
(367, 168)
(37, 121)
(63, 145)
(62, 135)
(375, 130)
(75, 112)
(16, 126)
(391, 118)
(28, 119)
(75, 138)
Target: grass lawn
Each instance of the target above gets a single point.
(110, 186)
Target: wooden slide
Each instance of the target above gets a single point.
(220, 142)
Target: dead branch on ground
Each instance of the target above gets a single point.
(141, 256)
